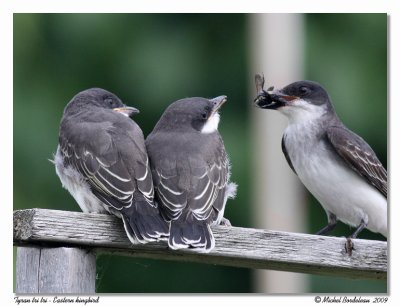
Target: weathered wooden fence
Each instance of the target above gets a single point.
(57, 251)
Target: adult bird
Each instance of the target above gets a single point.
(336, 165)
(102, 161)
(191, 171)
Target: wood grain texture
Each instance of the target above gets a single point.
(27, 270)
(238, 247)
(67, 270)
(55, 270)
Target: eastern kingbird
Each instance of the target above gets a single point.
(337, 166)
(101, 160)
(191, 171)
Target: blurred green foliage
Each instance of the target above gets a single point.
(151, 60)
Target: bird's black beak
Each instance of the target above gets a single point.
(272, 100)
(127, 111)
(217, 103)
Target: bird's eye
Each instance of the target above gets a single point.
(204, 115)
(109, 101)
(304, 90)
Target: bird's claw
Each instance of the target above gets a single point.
(225, 222)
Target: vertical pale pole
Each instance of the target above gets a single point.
(277, 43)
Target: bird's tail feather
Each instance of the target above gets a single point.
(195, 234)
(143, 223)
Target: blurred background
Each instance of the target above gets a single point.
(151, 60)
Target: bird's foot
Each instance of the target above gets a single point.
(349, 246)
(225, 222)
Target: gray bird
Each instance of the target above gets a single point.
(337, 166)
(191, 171)
(101, 160)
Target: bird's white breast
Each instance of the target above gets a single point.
(74, 182)
(338, 188)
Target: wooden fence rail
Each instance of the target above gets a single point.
(66, 242)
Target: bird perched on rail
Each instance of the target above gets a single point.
(337, 166)
(191, 171)
(102, 161)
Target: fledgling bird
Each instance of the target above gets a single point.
(102, 161)
(337, 166)
(191, 171)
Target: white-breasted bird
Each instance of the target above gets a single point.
(191, 171)
(337, 166)
(102, 161)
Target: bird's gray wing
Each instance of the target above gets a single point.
(171, 194)
(209, 182)
(190, 186)
(104, 158)
(286, 153)
(359, 156)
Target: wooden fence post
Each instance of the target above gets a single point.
(55, 270)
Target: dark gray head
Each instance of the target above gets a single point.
(302, 100)
(198, 114)
(93, 98)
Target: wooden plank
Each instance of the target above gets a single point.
(27, 270)
(238, 247)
